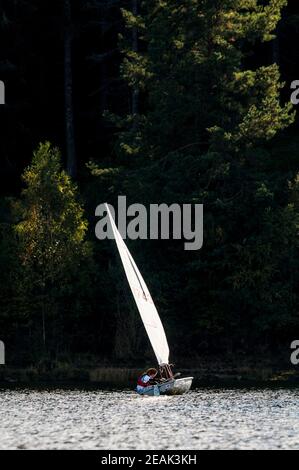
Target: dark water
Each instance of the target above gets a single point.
(201, 419)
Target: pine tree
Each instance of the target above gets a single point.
(205, 137)
(194, 75)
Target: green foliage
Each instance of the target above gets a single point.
(206, 137)
(53, 227)
(211, 126)
(194, 76)
(55, 258)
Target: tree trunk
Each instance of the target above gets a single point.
(276, 46)
(44, 329)
(68, 91)
(103, 65)
(43, 322)
(135, 94)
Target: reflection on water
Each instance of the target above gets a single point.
(201, 419)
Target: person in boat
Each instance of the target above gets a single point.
(146, 380)
(166, 373)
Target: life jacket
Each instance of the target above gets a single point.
(141, 383)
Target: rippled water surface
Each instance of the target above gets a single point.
(201, 419)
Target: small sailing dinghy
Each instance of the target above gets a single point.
(169, 384)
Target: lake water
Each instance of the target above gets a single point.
(201, 419)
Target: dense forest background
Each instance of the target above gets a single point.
(161, 101)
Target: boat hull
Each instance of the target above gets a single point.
(177, 386)
(171, 387)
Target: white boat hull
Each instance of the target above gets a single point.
(176, 386)
(171, 387)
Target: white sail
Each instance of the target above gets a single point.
(143, 299)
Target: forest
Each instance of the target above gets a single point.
(163, 101)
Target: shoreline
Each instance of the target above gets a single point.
(126, 377)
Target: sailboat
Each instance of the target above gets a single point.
(169, 383)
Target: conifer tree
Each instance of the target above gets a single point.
(204, 137)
